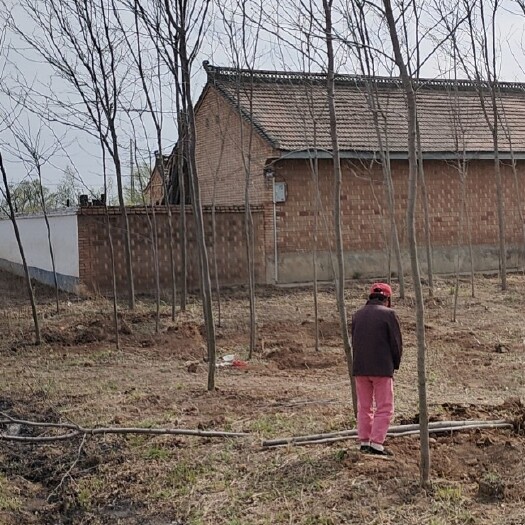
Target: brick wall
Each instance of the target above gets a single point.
(365, 209)
(154, 192)
(220, 163)
(219, 153)
(94, 254)
(366, 228)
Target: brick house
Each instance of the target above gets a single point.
(275, 127)
(154, 190)
(278, 123)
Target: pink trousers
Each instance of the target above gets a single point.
(372, 424)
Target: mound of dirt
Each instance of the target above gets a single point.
(290, 356)
(184, 340)
(191, 331)
(94, 331)
(55, 337)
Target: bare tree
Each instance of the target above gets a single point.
(151, 217)
(151, 77)
(180, 32)
(462, 168)
(12, 216)
(181, 179)
(489, 46)
(6, 121)
(411, 207)
(461, 164)
(78, 40)
(313, 161)
(243, 45)
(513, 164)
(30, 151)
(415, 11)
(484, 64)
(163, 22)
(218, 167)
(426, 213)
(188, 109)
(357, 22)
(111, 249)
(340, 274)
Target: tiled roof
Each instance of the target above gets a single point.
(290, 110)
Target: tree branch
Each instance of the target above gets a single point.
(77, 430)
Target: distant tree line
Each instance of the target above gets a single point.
(27, 194)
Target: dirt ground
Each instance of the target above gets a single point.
(475, 370)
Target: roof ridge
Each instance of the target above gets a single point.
(219, 73)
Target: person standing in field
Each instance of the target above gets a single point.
(377, 346)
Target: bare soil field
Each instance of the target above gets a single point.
(475, 371)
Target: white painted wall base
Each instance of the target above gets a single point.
(33, 233)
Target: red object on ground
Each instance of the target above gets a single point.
(239, 364)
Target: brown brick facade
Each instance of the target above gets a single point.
(284, 233)
(220, 163)
(365, 209)
(365, 226)
(95, 261)
(365, 218)
(154, 191)
(219, 154)
(366, 229)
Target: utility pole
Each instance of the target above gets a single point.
(131, 175)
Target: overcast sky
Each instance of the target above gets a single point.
(83, 151)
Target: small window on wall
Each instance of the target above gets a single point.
(280, 192)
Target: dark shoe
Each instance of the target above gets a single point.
(384, 452)
(365, 449)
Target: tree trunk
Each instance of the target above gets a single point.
(113, 279)
(424, 196)
(123, 211)
(171, 244)
(248, 231)
(50, 244)
(501, 210)
(497, 163)
(111, 249)
(12, 216)
(183, 238)
(315, 173)
(340, 273)
(462, 212)
(517, 188)
(197, 210)
(152, 224)
(248, 219)
(215, 265)
(411, 208)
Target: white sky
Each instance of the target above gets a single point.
(83, 150)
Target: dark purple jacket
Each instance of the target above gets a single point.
(376, 340)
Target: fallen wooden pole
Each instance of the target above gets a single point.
(76, 431)
(396, 431)
(485, 425)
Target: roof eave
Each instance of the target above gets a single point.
(400, 155)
